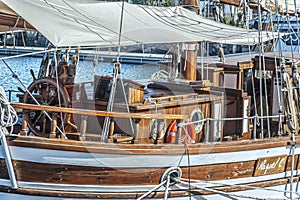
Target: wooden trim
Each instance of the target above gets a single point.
(96, 113)
(96, 147)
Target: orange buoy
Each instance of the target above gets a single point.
(171, 133)
(192, 133)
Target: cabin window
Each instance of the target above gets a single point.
(196, 116)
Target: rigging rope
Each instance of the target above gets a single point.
(219, 191)
(167, 188)
(8, 115)
(152, 190)
(127, 105)
(235, 185)
(106, 124)
(215, 191)
(277, 78)
(8, 119)
(58, 95)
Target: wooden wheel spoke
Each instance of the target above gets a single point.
(47, 93)
(37, 119)
(53, 98)
(44, 124)
(40, 93)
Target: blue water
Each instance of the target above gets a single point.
(85, 72)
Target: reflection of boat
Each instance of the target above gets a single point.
(236, 134)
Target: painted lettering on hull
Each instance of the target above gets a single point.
(270, 165)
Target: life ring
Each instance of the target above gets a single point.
(197, 117)
(171, 133)
(190, 128)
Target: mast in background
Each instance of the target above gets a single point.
(188, 60)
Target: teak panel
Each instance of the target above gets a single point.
(68, 174)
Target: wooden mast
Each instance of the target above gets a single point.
(188, 61)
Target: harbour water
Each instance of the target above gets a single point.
(85, 72)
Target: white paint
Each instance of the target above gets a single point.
(134, 161)
(245, 115)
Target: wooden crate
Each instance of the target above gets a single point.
(133, 90)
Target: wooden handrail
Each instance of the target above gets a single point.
(182, 96)
(96, 112)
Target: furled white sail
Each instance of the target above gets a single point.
(92, 22)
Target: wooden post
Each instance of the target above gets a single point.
(137, 130)
(24, 123)
(83, 127)
(159, 137)
(179, 132)
(53, 126)
(188, 61)
(111, 127)
(174, 63)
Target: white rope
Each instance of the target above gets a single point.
(219, 192)
(8, 115)
(109, 108)
(152, 190)
(96, 58)
(277, 79)
(127, 105)
(234, 185)
(230, 119)
(160, 75)
(288, 100)
(155, 132)
(26, 54)
(167, 188)
(8, 119)
(59, 97)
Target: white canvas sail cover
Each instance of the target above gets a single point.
(92, 22)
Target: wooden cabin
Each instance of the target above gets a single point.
(231, 80)
(177, 98)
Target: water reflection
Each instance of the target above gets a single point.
(85, 72)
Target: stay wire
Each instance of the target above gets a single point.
(58, 94)
(120, 30)
(187, 152)
(189, 168)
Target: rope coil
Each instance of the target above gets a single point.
(8, 115)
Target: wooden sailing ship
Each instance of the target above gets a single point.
(221, 132)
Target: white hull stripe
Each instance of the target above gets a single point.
(131, 188)
(138, 161)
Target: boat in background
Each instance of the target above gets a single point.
(209, 128)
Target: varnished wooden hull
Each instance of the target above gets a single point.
(73, 169)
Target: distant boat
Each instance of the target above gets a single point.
(218, 128)
(283, 24)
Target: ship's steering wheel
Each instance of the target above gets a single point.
(46, 91)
